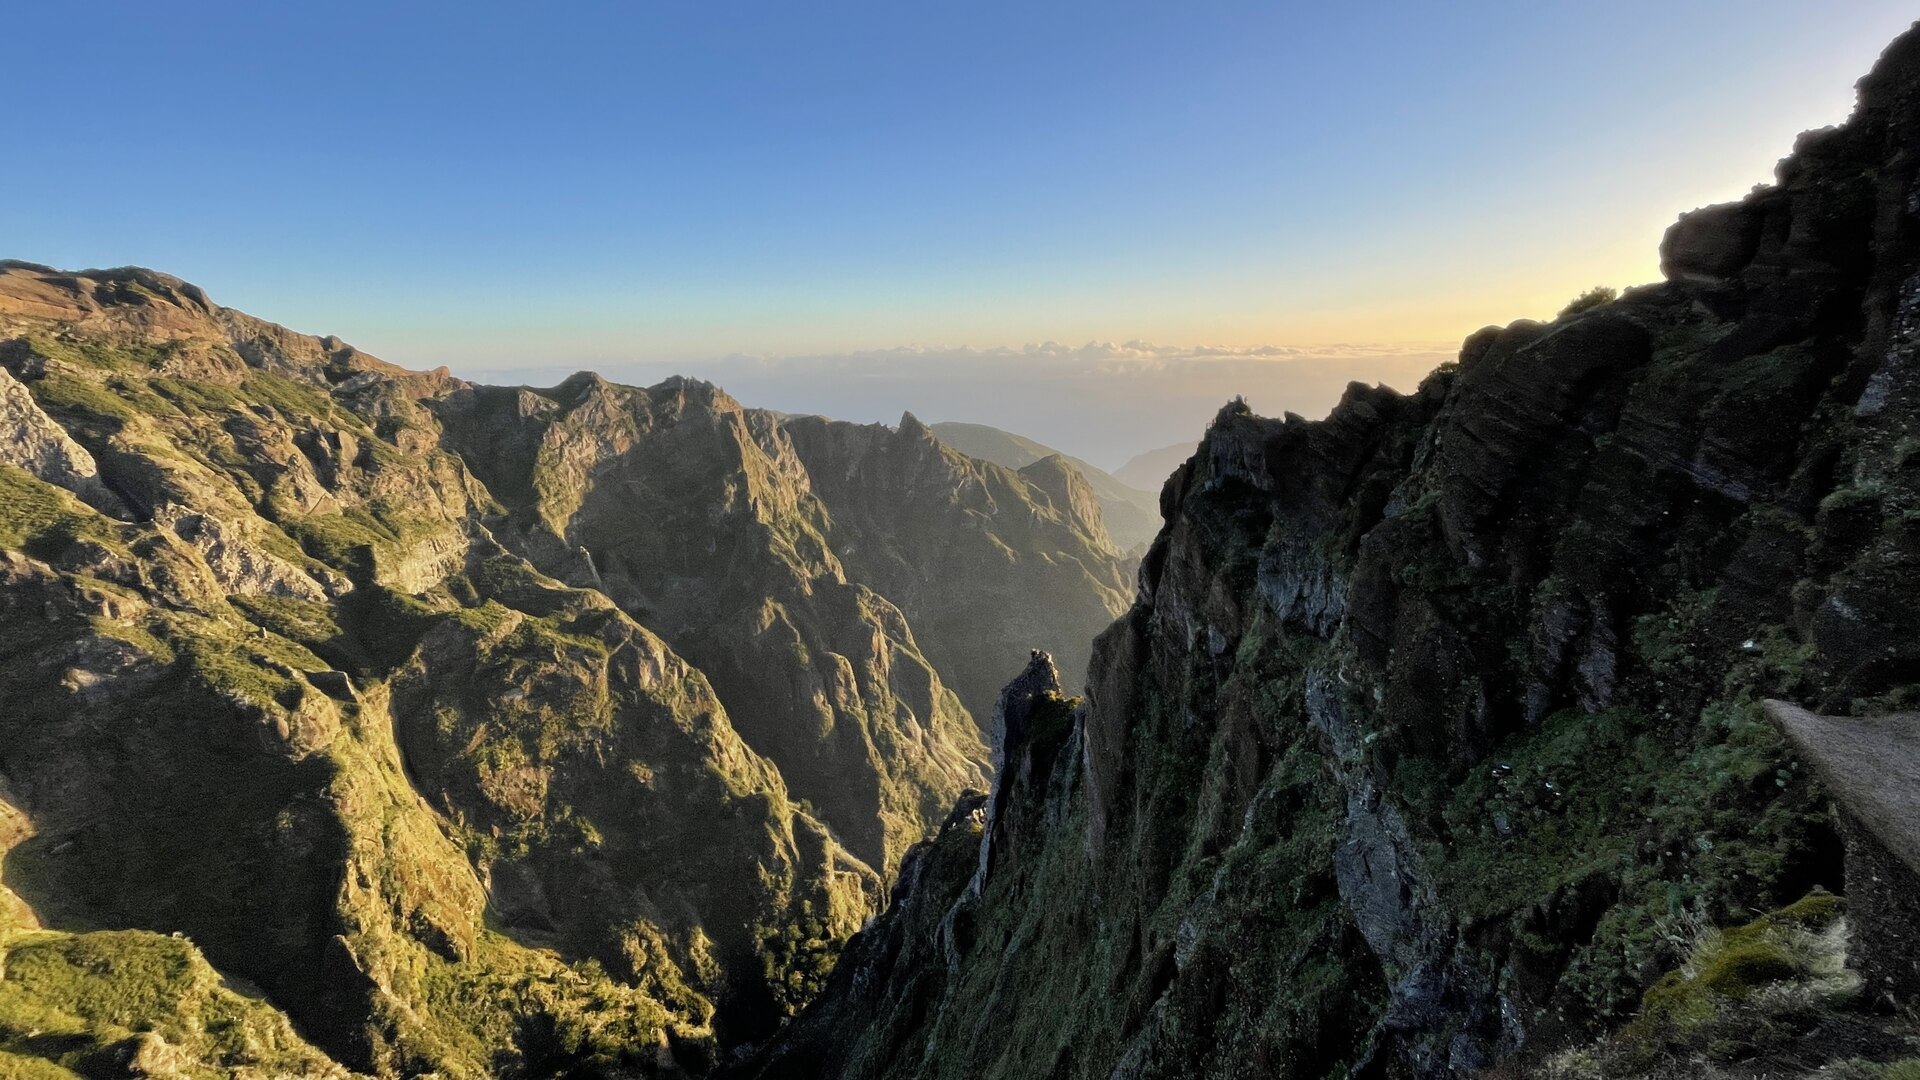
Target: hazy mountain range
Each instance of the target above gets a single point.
(1154, 466)
(1131, 513)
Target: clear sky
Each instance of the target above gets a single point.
(641, 187)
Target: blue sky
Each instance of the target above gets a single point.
(644, 186)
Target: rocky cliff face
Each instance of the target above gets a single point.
(1433, 738)
(207, 700)
(484, 731)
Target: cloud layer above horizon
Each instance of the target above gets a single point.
(581, 183)
(1101, 401)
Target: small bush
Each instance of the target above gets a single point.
(1592, 298)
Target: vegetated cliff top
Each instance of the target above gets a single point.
(1434, 743)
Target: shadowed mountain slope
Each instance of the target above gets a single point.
(987, 562)
(1434, 740)
(695, 516)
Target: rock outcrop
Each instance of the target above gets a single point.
(34, 442)
(1871, 764)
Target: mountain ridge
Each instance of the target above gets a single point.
(584, 730)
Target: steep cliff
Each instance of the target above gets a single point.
(1433, 739)
(207, 699)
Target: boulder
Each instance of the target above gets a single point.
(37, 443)
(1871, 765)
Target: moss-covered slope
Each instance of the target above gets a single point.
(1433, 739)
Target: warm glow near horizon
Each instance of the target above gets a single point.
(643, 189)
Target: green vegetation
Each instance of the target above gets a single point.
(122, 357)
(73, 1003)
(94, 403)
(344, 541)
(44, 520)
(1741, 994)
(555, 1017)
(796, 958)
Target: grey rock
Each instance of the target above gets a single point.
(37, 443)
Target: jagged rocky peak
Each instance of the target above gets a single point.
(911, 428)
(1434, 719)
(577, 387)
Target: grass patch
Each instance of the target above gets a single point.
(1673, 825)
(558, 1017)
(43, 520)
(125, 358)
(1745, 989)
(345, 542)
(70, 1002)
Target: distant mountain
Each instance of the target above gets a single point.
(1132, 511)
(962, 544)
(1151, 469)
